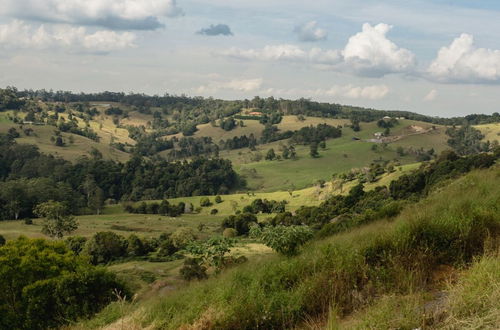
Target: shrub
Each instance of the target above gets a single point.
(205, 201)
(229, 233)
(214, 211)
(2, 240)
(218, 199)
(44, 285)
(104, 247)
(135, 247)
(193, 270)
(76, 243)
(166, 246)
(28, 221)
(182, 237)
(283, 239)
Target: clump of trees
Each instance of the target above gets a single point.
(239, 222)
(39, 279)
(162, 208)
(466, 140)
(265, 206)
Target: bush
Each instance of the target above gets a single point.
(205, 201)
(166, 246)
(44, 285)
(283, 239)
(193, 270)
(229, 233)
(218, 199)
(135, 247)
(104, 247)
(214, 211)
(28, 221)
(76, 243)
(240, 222)
(2, 240)
(182, 237)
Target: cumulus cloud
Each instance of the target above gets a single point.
(463, 62)
(240, 85)
(18, 34)
(310, 32)
(113, 14)
(216, 30)
(368, 53)
(431, 96)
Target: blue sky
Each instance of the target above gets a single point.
(433, 57)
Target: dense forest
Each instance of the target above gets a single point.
(28, 177)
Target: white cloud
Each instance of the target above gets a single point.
(269, 53)
(310, 32)
(240, 85)
(286, 52)
(18, 34)
(375, 92)
(431, 96)
(114, 14)
(349, 91)
(462, 62)
(368, 53)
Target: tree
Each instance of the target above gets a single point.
(286, 152)
(57, 220)
(44, 285)
(313, 150)
(211, 252)
(293, 153)
(182, 237)
(205, 201)
(135, 247)
(240, 222)
(59, 141)
(96, 200)
(466, 140)
(95, 153)
(283, 239)
(270, 154)
(104, 247)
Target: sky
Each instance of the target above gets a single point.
(439, 58)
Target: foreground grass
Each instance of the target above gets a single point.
(344, 273)
(471, 302)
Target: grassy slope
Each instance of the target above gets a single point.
(81, 146)
(491, 131)
(333, 278)
(341, 155)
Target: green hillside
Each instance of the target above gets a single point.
(404, 262)
(340, 155)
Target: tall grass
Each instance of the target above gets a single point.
(345, 272)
